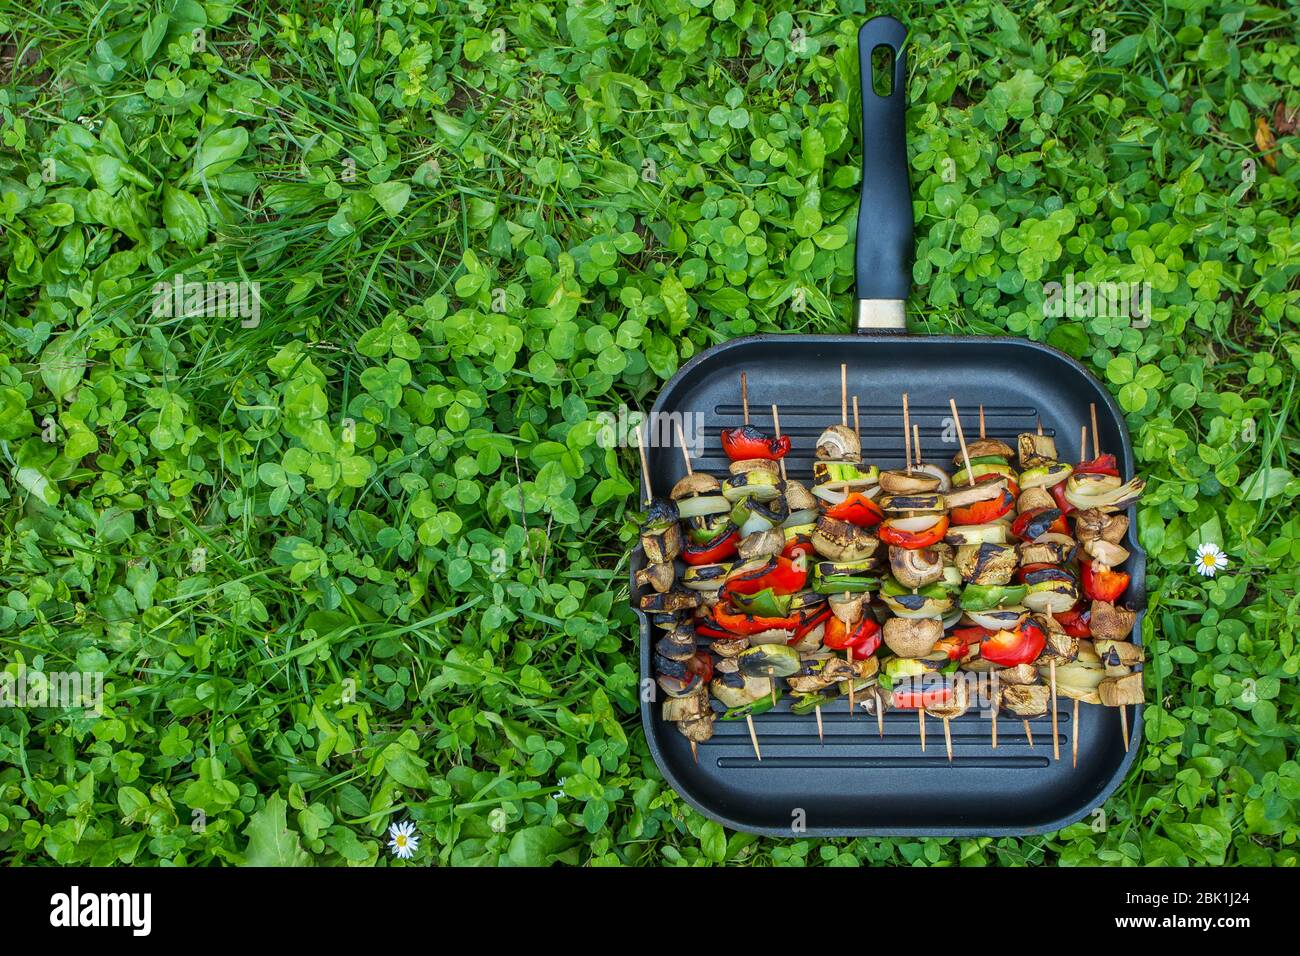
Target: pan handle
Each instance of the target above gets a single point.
(884, 247)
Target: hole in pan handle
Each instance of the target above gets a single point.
(884, 246)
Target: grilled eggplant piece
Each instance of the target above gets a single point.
(696, 483)
(1035, 450)
(1050, 549)
(677, 599)
(1025, 700)
(914, 637)
(662, 545)
(841, 541)
(1051, 589)
(839, 443)
(706, 577)
(1093, 523)
(657, 576)
(999, 618)
(913, 504)
(1109, 622)
(677, 646)
(986, 563)
(1045, 476)
(1059, 646)
(1121, 691)
(1020, 674)
(915, 568)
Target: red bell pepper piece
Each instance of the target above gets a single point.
(704, 629)
(811, 624)
(1058, 495)
(864, 638)
(914, 540)
(719, 549)
(740, 624)
(982, 512)
(1077, 621)
(747, 442)
(917, 693)
(1101, 465)
(857, 509)
(1033, 524)
(784, 577)
(1012, 648)
(799, 544)
(702, 664)
(1102, 584)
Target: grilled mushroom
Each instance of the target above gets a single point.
(1051, 548)
(839, 443)
(1106, 552)
(848, 607)
(902, 482)
(1110, 623)
(841, 541)
(746, 465)
(1120, 691)
(677, 646)
(697, 731)
(729, 648)
(912, 637)
(762, 544)
(696, 483)
(1020, 674)
(915, 568)
(797, 497)
(1115, 653)
(1091, 524)
(1032, 498)
(662, 543)
(678, 599)
(694, 706)
(968, 495)
(983, 447)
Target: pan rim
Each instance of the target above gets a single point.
(650, 718)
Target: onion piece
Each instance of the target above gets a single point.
(807, 516)
(776, 635)
(1083, 495)
(1058, 602)
(915, 525)
(756, 522)
(702, 506)
(935, 471)
(990, 621)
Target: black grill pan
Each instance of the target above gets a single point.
(858, 783)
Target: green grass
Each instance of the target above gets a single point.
(476, 227)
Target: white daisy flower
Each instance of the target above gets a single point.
(403, 840)
(1210, 560)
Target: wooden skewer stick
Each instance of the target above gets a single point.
(853, 704)
(1074, 738)
(880, 713)
(956, 419)
(1056, 743)
(1029, 734)
(645, 465)
(1083, 444)
(907, 434)
(857, 425)
(1123, 724)
(744, 395)
(821, 736)
(995, 725)
(920, 716)
(981, 422)
(916, 444)
(947, 737)
(1040, 424)
(753, 736)
(1096, 435)
(776, 425)
(695, 752)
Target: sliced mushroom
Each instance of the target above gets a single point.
(1051, 548)
(1092, 524)
(1059, 646)
(1035, 450)
(696, 483)
(746, 465)
(986, 563)
(678, 599)
(1020, 674)
(1106, 553)
(677, 646)
(902, 482)
(982, 448)
(959, 704)
(839, 443)
(915, 568)
(1032, 498)
(1120, 652)
(797, 497)
(698, 731)
(658, 576)
(1025, 700)
(694, 706)
(848, 607)
(1121, 691)
(762, 544)
(838, 540)
(1110, 623)
(729, 648)
(912, 637)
